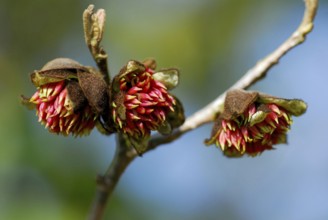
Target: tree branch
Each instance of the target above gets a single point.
(208, 113)
(106, 183)
(124, 154)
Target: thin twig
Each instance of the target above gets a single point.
(208, 113)
(106, 183)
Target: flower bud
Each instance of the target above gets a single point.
(141, 104)
(70, 98)
(252, 122)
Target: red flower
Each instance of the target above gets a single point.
(240, 136)
(70, 98)
(55, 110)
(142, 103)
(252, 123)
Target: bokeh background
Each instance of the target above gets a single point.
(213, 42)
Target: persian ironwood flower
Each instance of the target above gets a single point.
(141, 101)
(69, 99)
(252, 122)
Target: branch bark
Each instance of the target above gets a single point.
(106, 183)
(125, 154)
(208, 113)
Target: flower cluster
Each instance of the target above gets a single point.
(64, 99)
(141, 103)
(55, 110)
(237, 134)
(252, 123)
(73, 99)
